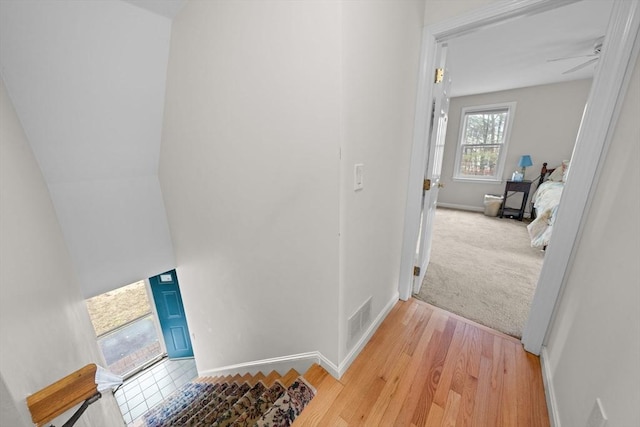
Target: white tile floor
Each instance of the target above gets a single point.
(145, 390)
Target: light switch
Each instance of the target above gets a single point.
(358, 177)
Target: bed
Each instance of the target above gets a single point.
(545, 201)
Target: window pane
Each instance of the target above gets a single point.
(125, 328)
(485, 127)
(479, 161)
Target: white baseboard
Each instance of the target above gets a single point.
(550, 395)
(301, 362)
(460, 207)
(355, 351)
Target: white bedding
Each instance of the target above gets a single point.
(545, 201)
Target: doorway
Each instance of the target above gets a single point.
(606, 94)
(139, 324)
(171, 314)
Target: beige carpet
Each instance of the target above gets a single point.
(482, 268)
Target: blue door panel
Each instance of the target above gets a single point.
(173, 304)
(178, 335)
(173, 322)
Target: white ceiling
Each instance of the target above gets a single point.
(507, 56)
(515, 54)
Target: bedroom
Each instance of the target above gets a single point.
(547, 114)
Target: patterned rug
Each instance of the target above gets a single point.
(232, 405)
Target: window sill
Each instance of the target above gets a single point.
(478, 181)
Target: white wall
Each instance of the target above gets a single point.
(45, 332)
(380, 56)
(250, 175)
(594, 343)
(545, 126)
(262, 98)
(87, 79)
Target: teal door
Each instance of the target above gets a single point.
(173, 322)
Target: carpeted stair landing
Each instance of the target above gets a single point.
(238, 401)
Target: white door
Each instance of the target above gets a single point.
(435, 144)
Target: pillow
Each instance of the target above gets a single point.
(556, 175)
(565, 169)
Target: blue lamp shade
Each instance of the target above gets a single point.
(525, 161)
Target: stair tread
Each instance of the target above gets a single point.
(288, 378)
(329, 388)
(243, 404)
(226, 404)
(256, 378)
(188, 412)
(177, 402)
(269, 379)
(240, 400)
(288, 406)
(224, 391)
(260, 406)
(315, 374)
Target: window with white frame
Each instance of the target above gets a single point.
(484, 136)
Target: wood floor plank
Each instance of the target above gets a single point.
(524, 393)
(467, 401)
(409, 313)
(435, 374)
(509, 404)
(406, 342)
(497, 381)
(379, 362)
(451, 409)
(461, 361)
(475, 350)
(326, 393)
(366, 404)
(449, 367)
(539, 403)
(340, 423)
(315, 375)
(390, 388)
(411, 344)
(410, 405)
(487, 344)
(382, 342)
(406, 380)
(480, 415)
(419, 355)
(436, 414)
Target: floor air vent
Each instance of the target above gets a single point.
(358, 322)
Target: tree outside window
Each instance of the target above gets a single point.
(483, 142)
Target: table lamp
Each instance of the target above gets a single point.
(524, 162)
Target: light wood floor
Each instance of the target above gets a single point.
(427, 367)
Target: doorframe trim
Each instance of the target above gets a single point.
(432, 35)
(603, 108)
(601, 114)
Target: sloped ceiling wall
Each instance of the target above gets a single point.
(87, 80)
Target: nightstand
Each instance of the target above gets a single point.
(510, 188)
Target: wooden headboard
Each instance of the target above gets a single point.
(63, 395)
(544, 173)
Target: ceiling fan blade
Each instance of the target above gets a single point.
(581, 66)
(572, 57)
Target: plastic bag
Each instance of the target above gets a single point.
(106, 379)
